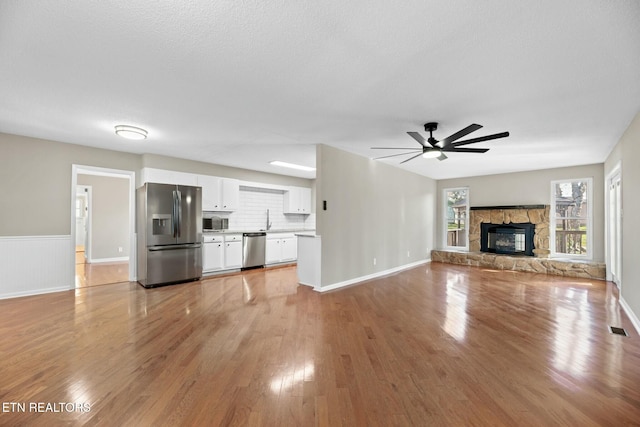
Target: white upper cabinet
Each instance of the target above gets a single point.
(297, 200)
(219, 194)
(162, 176)
(230, 194)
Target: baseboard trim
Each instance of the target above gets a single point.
(370, 276)
(34, 292)
(632, 316)
(105, 260)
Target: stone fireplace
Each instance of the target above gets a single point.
(508, 240)
(534, 219)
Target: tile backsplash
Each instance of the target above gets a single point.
(252, 212)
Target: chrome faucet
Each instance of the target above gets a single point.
(268, 223)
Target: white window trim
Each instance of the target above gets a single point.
(552, 220)
(445, 223)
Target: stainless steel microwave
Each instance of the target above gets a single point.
(215, 223)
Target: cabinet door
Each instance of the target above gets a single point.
(305, 200)
(230, 194)
(289, 248)
(211, 197)
(212, 256)
(272, 251)
(297, 200)
(233, 254)
(291, 200)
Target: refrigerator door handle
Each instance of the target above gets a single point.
(179, 210)
(174, 216)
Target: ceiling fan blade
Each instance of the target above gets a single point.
(419, 138)
(465, 150)
(411, 158)
(466, 131)
(441, 157)
(480, 139)
(394, 148)
(394, 155)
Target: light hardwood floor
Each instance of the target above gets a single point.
(99, 273)
(435, 345)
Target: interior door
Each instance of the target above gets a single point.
(81, 215)
(615, 228)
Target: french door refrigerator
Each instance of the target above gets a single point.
(169, 239)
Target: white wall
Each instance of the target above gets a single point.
(528, 188)
(374, 210)
(627, 153)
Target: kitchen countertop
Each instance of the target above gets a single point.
(306, 233)
(286, 230)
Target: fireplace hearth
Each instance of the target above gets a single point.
(509, 239)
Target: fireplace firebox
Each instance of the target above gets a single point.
(511, 239)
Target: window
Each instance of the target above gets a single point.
(456, 218)
(571, 222)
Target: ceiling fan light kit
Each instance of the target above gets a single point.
(431, 148)
(431, 154)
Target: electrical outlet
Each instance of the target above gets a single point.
(374, 261)
(120, 249)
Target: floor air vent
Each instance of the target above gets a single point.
(618, 331)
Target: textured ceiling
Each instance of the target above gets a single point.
(241, 83)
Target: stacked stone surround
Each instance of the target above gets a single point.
(557, 267)
(537, 216)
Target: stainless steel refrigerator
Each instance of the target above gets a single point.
(169, 228)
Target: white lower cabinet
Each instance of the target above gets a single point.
(212, 253)
(233, 251)
(289, 248)
(281, 247)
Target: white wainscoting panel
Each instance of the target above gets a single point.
(32, 265)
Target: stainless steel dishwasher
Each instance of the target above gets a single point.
(253, 250)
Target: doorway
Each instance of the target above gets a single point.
(614, 226)
(103, 225)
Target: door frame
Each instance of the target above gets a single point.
(616, 171)
(117, 173)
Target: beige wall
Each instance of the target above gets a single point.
(109, 215)
(373, 211)
(528, 188)
(627, 153)
(35, 177)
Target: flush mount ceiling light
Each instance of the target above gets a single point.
(292, 166)
(131, 132)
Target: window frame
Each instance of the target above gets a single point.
(553, 219)
(445, 224)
